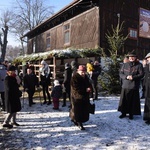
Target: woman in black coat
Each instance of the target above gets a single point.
(80, 89)
(130, 74)
(12, 98)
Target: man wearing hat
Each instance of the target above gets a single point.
(146, 115)
(130, 74)
(80, 89)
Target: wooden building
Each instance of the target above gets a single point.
(84, 24)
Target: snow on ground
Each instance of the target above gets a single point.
(43, 128)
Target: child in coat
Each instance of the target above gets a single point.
(56, 94)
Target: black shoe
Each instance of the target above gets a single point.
(33, 103)
(80, 126)
(131, 117)
(49, 102)
(147, 122)
(15, 123)
(44, 102)
(63, 105)
(9, 126)
(122, 116)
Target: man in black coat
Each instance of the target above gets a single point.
(94, 77)
(30, 81)
(146, 83)
(130, 74)
(66, 83)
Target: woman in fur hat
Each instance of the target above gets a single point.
(80, 89)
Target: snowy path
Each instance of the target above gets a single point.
(43, 128)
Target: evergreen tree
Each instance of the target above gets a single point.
(109, 78)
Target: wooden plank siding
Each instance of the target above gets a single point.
(85, 29)
(84, 33)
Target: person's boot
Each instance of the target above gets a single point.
(49, 102)
(147, 122)
(130, 116)
(122, 116)
(44, 102)
(80, 125)
(64, 104)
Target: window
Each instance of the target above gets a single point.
(67, 34)
(132, 33)
(48, 43)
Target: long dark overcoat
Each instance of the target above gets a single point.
(146, 115)
(79, 111)
(67, 79)
(12, 94)
(130, 99)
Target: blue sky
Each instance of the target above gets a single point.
(57, 4)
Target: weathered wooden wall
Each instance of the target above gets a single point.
(84, 33)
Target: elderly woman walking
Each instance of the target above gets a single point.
(80, 89)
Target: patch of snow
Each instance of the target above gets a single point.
(42, 128)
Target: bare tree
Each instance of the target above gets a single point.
(28, 14)
(5, 19)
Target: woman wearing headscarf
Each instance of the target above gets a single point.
(131, 73)
(12, 98)
(45, 81)
(80, 89)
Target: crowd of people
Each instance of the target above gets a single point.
(76, 82)
(79, 86)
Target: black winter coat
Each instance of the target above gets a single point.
(30, 81)
(129, 99)
(79, 98)
(67, 79)
(131, 68)
(57, 91)
(12, 94)
(146, 115)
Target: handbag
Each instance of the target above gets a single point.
(92, 108)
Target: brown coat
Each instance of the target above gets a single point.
(79, 98)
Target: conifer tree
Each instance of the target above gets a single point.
(109, 78)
